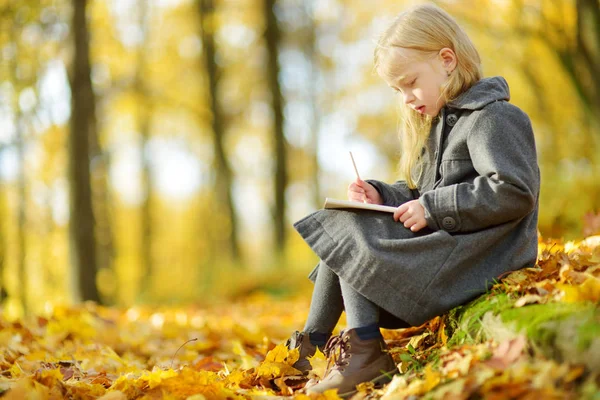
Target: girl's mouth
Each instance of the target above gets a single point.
(420, 109)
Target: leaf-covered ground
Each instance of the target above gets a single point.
(535, 335)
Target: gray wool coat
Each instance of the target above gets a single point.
(480, 191)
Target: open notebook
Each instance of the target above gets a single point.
(335, 203)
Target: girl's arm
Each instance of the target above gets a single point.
(502, 149)
(393, 194)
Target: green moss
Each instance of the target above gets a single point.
(543, 324)
(465, 321)
(563, 331)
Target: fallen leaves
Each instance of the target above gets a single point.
(278, 363)
(589, 290)
(90, 352)
(318, 362)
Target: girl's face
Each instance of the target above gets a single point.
(421, 80)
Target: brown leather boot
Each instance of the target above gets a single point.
(353, 361)
(301, 341)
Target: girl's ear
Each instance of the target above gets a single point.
(448, 59)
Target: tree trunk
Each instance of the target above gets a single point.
(101, 199)
(587, 53)
(81, 221)
(272, 38)
(144, 117)
(313, 56)
(21, 178)
(3, 219)
(21, 212)
(224, 176)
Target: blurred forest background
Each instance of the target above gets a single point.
(158, 151)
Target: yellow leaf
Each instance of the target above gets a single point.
(442, 336)
(278, 362)
(416, 341)
(15, 370)
(157, 375)
(275, 370)
(589, 290)
(26, 388)
(330, 394)
(235, 377)
(247, 360)
(432, 378)
(319, 363)
(81, 326)
(114, 395)
(196, 397)
(281, 354)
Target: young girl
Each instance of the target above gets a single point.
(466, 212)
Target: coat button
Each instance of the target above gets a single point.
(451, 119)
(449, 223)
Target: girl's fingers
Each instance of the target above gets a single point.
(398, 213)
(355, 188)
(405, 216)
(410, 222)
(417, 226)
(353, 196)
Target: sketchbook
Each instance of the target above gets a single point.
(335, 203)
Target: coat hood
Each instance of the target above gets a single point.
(482, 93)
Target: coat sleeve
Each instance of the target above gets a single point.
(394, 194)
(502, 150)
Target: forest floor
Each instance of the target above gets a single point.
(534, 335)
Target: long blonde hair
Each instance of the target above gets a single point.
(427, 29)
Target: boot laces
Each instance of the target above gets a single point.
(337, 349)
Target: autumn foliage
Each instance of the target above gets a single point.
(237, 351)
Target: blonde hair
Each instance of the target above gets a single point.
(427, 29)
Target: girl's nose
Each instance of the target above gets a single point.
(408, 98)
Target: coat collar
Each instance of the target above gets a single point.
(482, 93)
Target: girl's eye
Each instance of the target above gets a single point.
(413, 82)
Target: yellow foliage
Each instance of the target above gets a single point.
(247, 360)
(278, 362)
(589, 290)
(281, 354)
(432, 378)
(157, 375)
(318, 363)
(81, 326)
(275, 369)
(330, 394)
(76, 353)
(114, 395)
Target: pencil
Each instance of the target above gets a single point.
(354, 164)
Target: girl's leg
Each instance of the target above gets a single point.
(361, 314)
(326, 306)
(363, 354)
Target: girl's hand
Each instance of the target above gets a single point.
(363, 192)
(412, 215)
